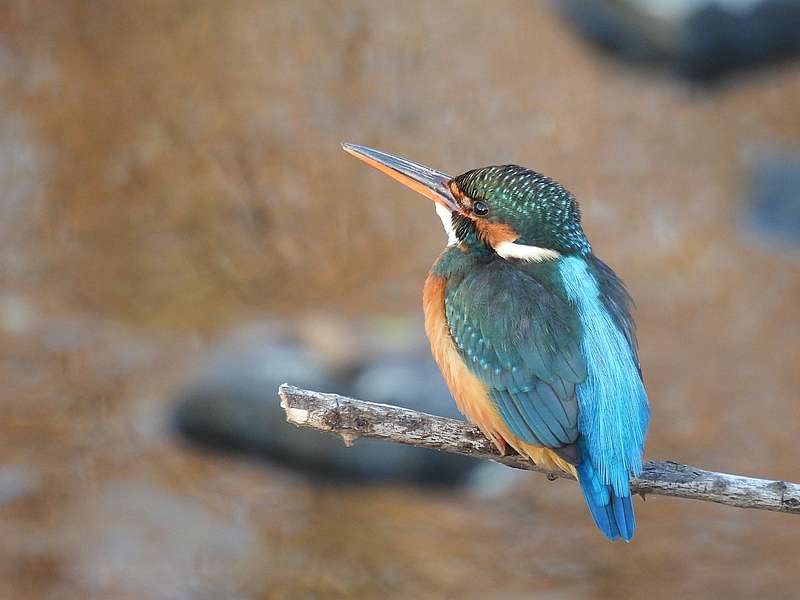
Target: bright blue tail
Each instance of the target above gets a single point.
(612, 514)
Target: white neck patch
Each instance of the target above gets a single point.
(504, 249)
(526, 253)
(447, 222)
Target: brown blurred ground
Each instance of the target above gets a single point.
(170, 169)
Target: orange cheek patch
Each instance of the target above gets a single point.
(491, 233)
(495, 233)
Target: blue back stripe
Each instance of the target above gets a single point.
(612, 400)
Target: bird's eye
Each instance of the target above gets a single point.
(480, 208)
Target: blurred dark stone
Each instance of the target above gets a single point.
(609, 26)
(233, 406)
(705, 44)
(406, 380)
(16, 482)
(774, 204)
(718, 42)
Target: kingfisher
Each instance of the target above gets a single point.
(531, 331)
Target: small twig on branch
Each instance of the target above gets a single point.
(352, 419)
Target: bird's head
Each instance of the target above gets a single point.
(509, 210)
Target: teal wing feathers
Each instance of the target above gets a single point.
(523, 342)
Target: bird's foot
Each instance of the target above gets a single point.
(499, 443)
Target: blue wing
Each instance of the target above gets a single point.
(523, 342)
(559, 362)
(614, 410)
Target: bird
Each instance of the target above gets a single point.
(532, 332)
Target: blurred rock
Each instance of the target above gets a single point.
(233, 404)
(412, 381)
(493, 480)
(774, 202)
(16, 482)
(702, 40)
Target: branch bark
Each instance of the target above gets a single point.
(352, 419)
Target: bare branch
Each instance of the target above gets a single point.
(353, 419)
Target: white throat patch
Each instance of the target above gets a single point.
(504, 249)
(447, 222)
(527, 253)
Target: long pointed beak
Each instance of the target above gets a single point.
(428, 182)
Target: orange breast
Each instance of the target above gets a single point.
(468, 391)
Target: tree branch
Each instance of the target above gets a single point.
(353, 419)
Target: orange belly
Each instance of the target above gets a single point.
(468, 391)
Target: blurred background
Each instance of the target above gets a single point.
(180, 232)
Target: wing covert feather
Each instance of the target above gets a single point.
(523, 341)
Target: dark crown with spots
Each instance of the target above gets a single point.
(538, 208)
